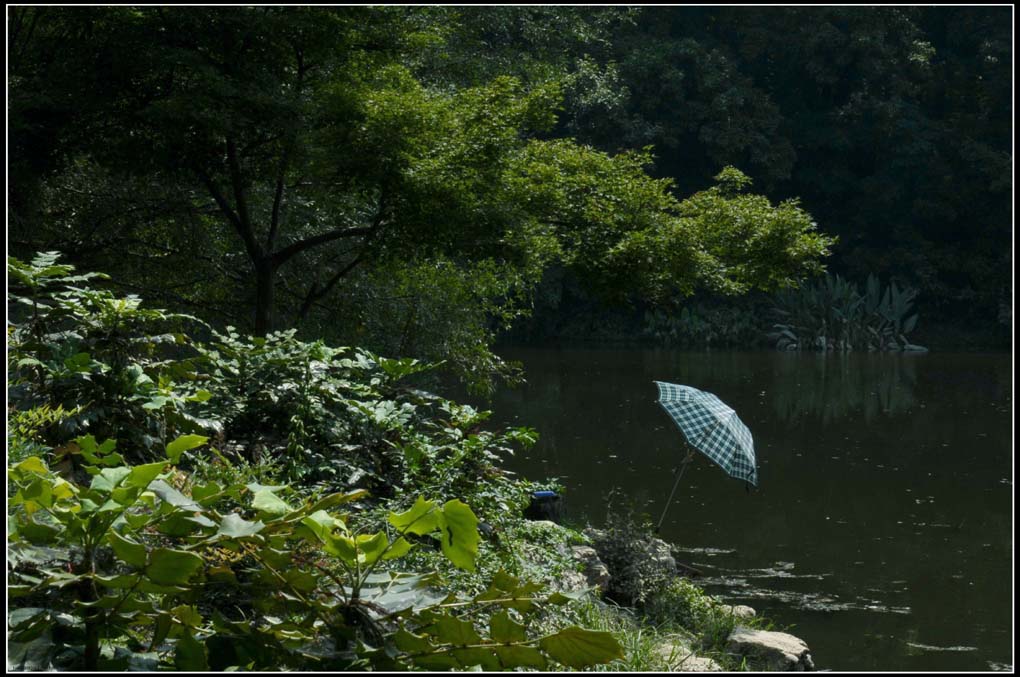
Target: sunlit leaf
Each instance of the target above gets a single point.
(459, 538)
(579, 648)
(182, 444)
(234, 526)
(399, 548)
(268, 503)
(422, 518)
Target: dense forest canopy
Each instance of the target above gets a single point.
(403, 178)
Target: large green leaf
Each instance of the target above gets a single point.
(579, 648)
(342, 547)
(173, 497)
(172, 567)
(37, 533)
(411, 643)
(321, 524)
(460, 536)
(422, 518)
(398, 548)
(451, 630)
(142, 475)
(184, 524)
(127, 550)
(182, 444)
(371, 547)
(502, 628)
(234, 526)
(269, 504)
(485, 658)
(109, 479)
(204, 492)
(520, 657)
(191, 655)
(32, 464)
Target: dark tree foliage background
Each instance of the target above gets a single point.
(362, 173)
(892, 124)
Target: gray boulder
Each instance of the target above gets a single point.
(770, 651)
(595, 571)
(738, 610)
(661, 556)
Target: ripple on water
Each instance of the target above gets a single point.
(805, 601)
(711, 552)
(929, 647)
(777, 570)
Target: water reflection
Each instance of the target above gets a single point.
(832, 387)
(820, 387)
(884, 512)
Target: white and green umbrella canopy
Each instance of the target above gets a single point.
(711, 427)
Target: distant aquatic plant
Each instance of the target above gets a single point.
(832, 314)
(702, 325)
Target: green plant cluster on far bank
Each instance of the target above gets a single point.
(704, 324)
(833, 314)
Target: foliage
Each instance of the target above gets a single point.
(202, 562)
(314, 166)
(902, 113)
(336, 417)
(833, 314)
(439, 310)
(140, 558)
(892, 124)
(706, 324)
(100, 359)
(626, 548)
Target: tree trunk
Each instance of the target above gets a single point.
(265, 272)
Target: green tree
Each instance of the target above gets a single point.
(240, 153)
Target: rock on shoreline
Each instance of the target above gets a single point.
(771, 651)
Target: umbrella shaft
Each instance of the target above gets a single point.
(683, 467)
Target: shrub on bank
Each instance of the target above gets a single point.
(175, 504)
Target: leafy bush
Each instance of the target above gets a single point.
(333, 417)
(624, 546)
(705, 324)
(256, 552)
(141, 559)
(105, 361)
(832, 314)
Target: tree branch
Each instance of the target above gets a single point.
(252, 247)
(314, 293)
(292, 250)
(274, 219)
(238, 183)
(368, 231)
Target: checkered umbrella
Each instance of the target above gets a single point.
(712, 428)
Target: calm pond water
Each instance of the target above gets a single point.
(881, 532)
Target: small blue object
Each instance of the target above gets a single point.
(543, 494)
